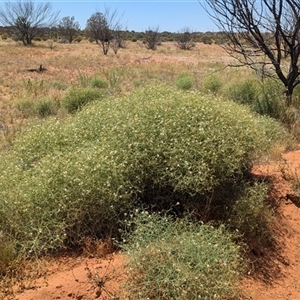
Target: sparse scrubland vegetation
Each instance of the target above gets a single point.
(153, 150)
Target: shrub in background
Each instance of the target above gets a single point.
(184, 81)
(242, 92)
(270, 100)
(76, 98)
(212, 84)
(4, 36)
(99, 83)
(45, 107)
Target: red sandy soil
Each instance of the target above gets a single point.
(275, 273)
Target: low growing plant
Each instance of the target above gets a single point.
(243, 92)
(76, 98)
(184, 82)
(171, 259)
(251, 215)
(45, 107)
(99, 83)
(212, 84)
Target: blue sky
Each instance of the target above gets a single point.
(142, 15)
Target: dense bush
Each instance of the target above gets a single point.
(45, 107)
(76, 98)
(65, 180)
(212, 84)
(246, 92)
(99, 83)
(184, 81)
(180, 260)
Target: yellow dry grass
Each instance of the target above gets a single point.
(73, 64)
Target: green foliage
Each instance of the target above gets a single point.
(78, 39)
(99, 83)
(242, 92)
(4, 36)
(76, 98)
(212, 84)
(181, 260)
(39, 107)
(65, 180)
(270, 100)
(184, 82)
(45, 107)
(251, 215)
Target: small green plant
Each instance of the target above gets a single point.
(252, 216)
(99, 83)
(171, 259)
(76, 98)
(184, 82)
(212, 84)
(242, 92)
(45, 107)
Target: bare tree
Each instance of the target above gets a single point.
(68, 28)
(185, 39)
(152, 38)
(261, 33)
(27, 18)
(101, 27)
(95, 24)
(118, 40)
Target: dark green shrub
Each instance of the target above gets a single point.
(243, 92)
(45, 107)
(270, 101)
(76, 98)
(99, 83)
(212, 84)
(184, 82)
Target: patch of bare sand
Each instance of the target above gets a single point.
(78, 277)
(276, 273)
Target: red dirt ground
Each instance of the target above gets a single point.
(275, 274)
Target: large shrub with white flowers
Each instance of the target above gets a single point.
(158, 147)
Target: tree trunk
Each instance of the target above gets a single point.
(288, 95)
